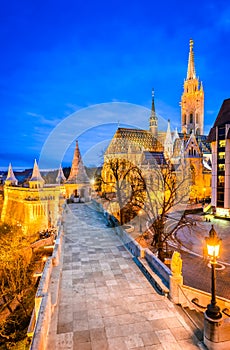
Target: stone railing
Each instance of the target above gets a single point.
(42, 242)
(46, 297)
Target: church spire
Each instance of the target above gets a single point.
(168, 144)
(192, 100)
(153, 121)
(191, 74)
(11, 179)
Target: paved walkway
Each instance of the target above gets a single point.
(105, 302)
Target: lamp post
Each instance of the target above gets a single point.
(213, 248)
(140, 213)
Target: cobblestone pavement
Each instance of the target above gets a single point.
(105, 302)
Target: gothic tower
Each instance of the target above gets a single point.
(153, 118)
(192, 100)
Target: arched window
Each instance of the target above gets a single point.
(184, 119)
(191, 118)
(193, 174)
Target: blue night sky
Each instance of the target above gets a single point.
(61, 57)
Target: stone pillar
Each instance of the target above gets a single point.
(174, 285)
(176, 280)
(212, 329)
(142, 253)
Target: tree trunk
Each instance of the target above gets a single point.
(7, 303)
(160, 251)
(22, 305)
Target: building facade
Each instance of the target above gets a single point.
(37, 205)
(219, 137)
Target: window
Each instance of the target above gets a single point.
(221, 155)
(220, 182)
(222, 143)
(221, 167)
(191, 118)
(221, 132)
(193, 174)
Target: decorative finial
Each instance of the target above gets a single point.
(191, 43)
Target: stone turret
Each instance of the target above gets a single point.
(77, 172)
(36, 180)
(60, 176)
(78, 183)
(11, 179)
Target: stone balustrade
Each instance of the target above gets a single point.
(46, 297)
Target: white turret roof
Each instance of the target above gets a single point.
(10, 176)
(60, 176)
(36, 176)
(176, 135)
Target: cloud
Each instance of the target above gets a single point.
(43, 120)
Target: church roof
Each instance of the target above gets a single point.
(152, 158)
(222, 119)
(136, 139)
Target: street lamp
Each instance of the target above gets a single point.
(213, 248)
(140, 213)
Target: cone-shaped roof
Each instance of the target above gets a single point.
(176, 135)
(36, 176)
(11, 179)
(60, 176)
(77, 172)
(168, 137)
(191, 74)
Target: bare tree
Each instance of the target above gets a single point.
(167, 190)
(159, 188)
(124, 180)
